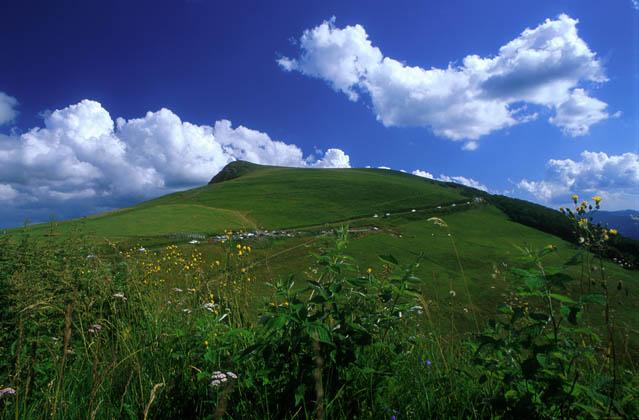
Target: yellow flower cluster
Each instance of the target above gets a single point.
(242, 249)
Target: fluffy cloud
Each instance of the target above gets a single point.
(81, 157)
(575, 115)
(469, 182)
(8, 106)
(543, 66)
(614, 177)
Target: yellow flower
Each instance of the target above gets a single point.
(217, 262)
(238, 246)
(369, 270)
(597, 199)
(206, 343)
(583, 222)
(613, 232)
(575, 198)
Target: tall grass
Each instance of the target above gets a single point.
(170, 333)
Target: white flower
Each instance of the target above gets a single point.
(120, 295)
(452, 293)
(7, 391)
(177, 289)
(231, 375)
(215, 383)
(209, 306)
(95, 328)
(142, 249)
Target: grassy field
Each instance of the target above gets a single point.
(271, 197)
(311, 326)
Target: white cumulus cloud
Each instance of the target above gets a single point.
(469, 182)
(8, 110)
(614, 177)
(82, 156)
(544, 66)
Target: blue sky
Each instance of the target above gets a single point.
(554, 113)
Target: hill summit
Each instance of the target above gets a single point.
(234, 170)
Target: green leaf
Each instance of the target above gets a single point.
(319, 332)
(389, 259)
(299, 394)
(511, 394)
(276, 322)
(532, 280)
(562, 298)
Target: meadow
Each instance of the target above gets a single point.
(389, 297)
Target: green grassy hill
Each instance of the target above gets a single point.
(196, 303)
(271, 197)
(388, 212)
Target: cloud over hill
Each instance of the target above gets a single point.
(82, 156)
(614, 177)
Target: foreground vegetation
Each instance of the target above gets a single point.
(90, 332)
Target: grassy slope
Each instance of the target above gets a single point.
(271, 197)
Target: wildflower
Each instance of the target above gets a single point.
(575, 198)
(613, 232)
(238, 246)
(209, 306)
(369, 270)
(583, 222)
(206, 343)
(597, 199)
(218, 378)
(142, 249)
(466, 310)
(217, 263)
(452, 293)
(186, 311)
(7, 391)
(581, 240)
(120, 296)
(426, 362)
(95, 328)
(177, 290)
(417, 309)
